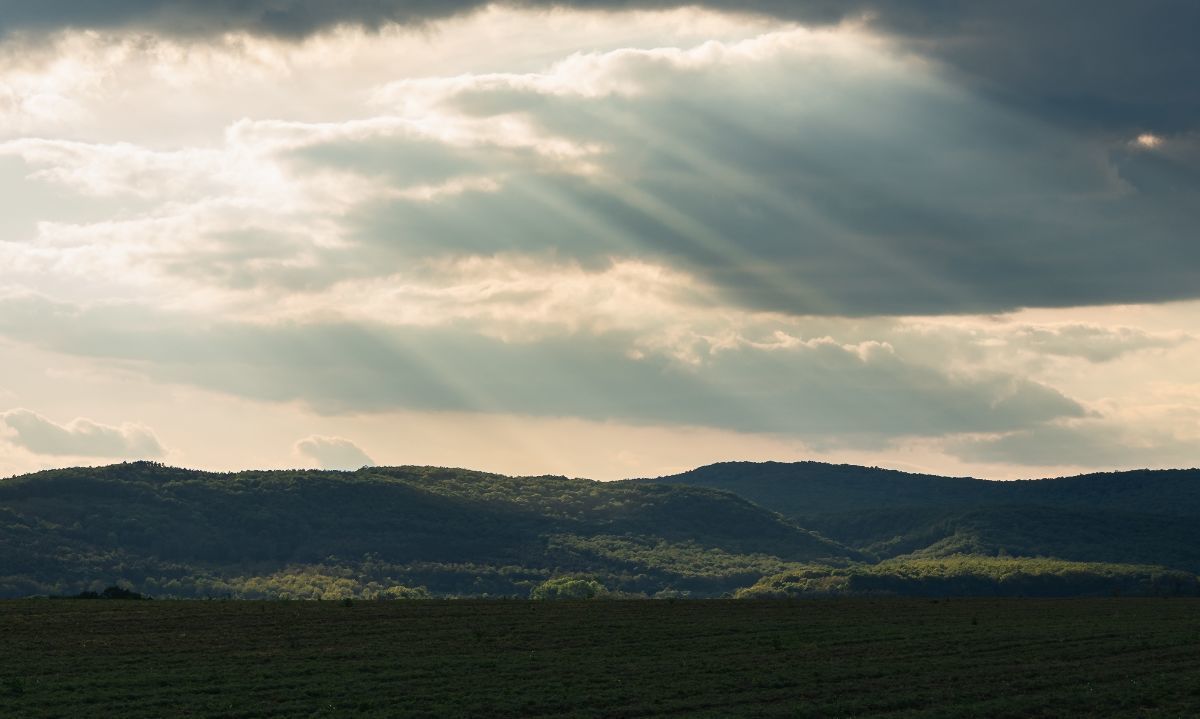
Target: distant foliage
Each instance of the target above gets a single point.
(568, 588)
(978, 576)
(321, 582)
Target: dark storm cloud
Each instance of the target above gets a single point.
(894, 194)
(1106, 64)
(286, 18)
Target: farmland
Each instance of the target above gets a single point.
(838, 657)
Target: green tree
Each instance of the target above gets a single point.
(567, 588)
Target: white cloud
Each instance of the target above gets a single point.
(332, 452)
(177, 89)
(1148, 141)
(81, 437)
(633, 72)
(108, 170)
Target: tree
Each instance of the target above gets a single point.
(567, 588)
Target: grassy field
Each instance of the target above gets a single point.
(835, 658)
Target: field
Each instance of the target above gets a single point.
(818, 658)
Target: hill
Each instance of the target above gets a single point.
(739, 528)
(1139, 517)
(377, 531)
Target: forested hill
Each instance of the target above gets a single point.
(1140, 516)
(174, 531)
(816, 488)
(740, 528)
(802, 489)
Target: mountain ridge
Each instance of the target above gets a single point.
(1139, 516)
(716, 530)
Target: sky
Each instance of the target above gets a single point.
(600, 238)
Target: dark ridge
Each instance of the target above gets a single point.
(760, 529)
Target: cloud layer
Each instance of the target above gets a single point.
(782, 383)
(830, 234)
(762, 167)
(1106, 64)
(81, 437)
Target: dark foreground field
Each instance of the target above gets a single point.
(847, 658)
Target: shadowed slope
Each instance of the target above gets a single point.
(1143, 516)
(451, 530)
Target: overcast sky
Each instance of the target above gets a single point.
(603, 239)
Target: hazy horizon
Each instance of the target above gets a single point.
(682, 471)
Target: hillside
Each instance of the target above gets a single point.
(808, 489)
(740, 528)
(310, 533)
(1141, 517)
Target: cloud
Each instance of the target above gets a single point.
(762, 167)
(1106, 64)
(1091, 342)
(1085, 443)
(1154, 423)
(107, 170)
(1019, 343)
(946, 203)
(81, 437)
(333, 452)
(290, 18)
(776, 383)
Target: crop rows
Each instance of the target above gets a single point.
(850, 658)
